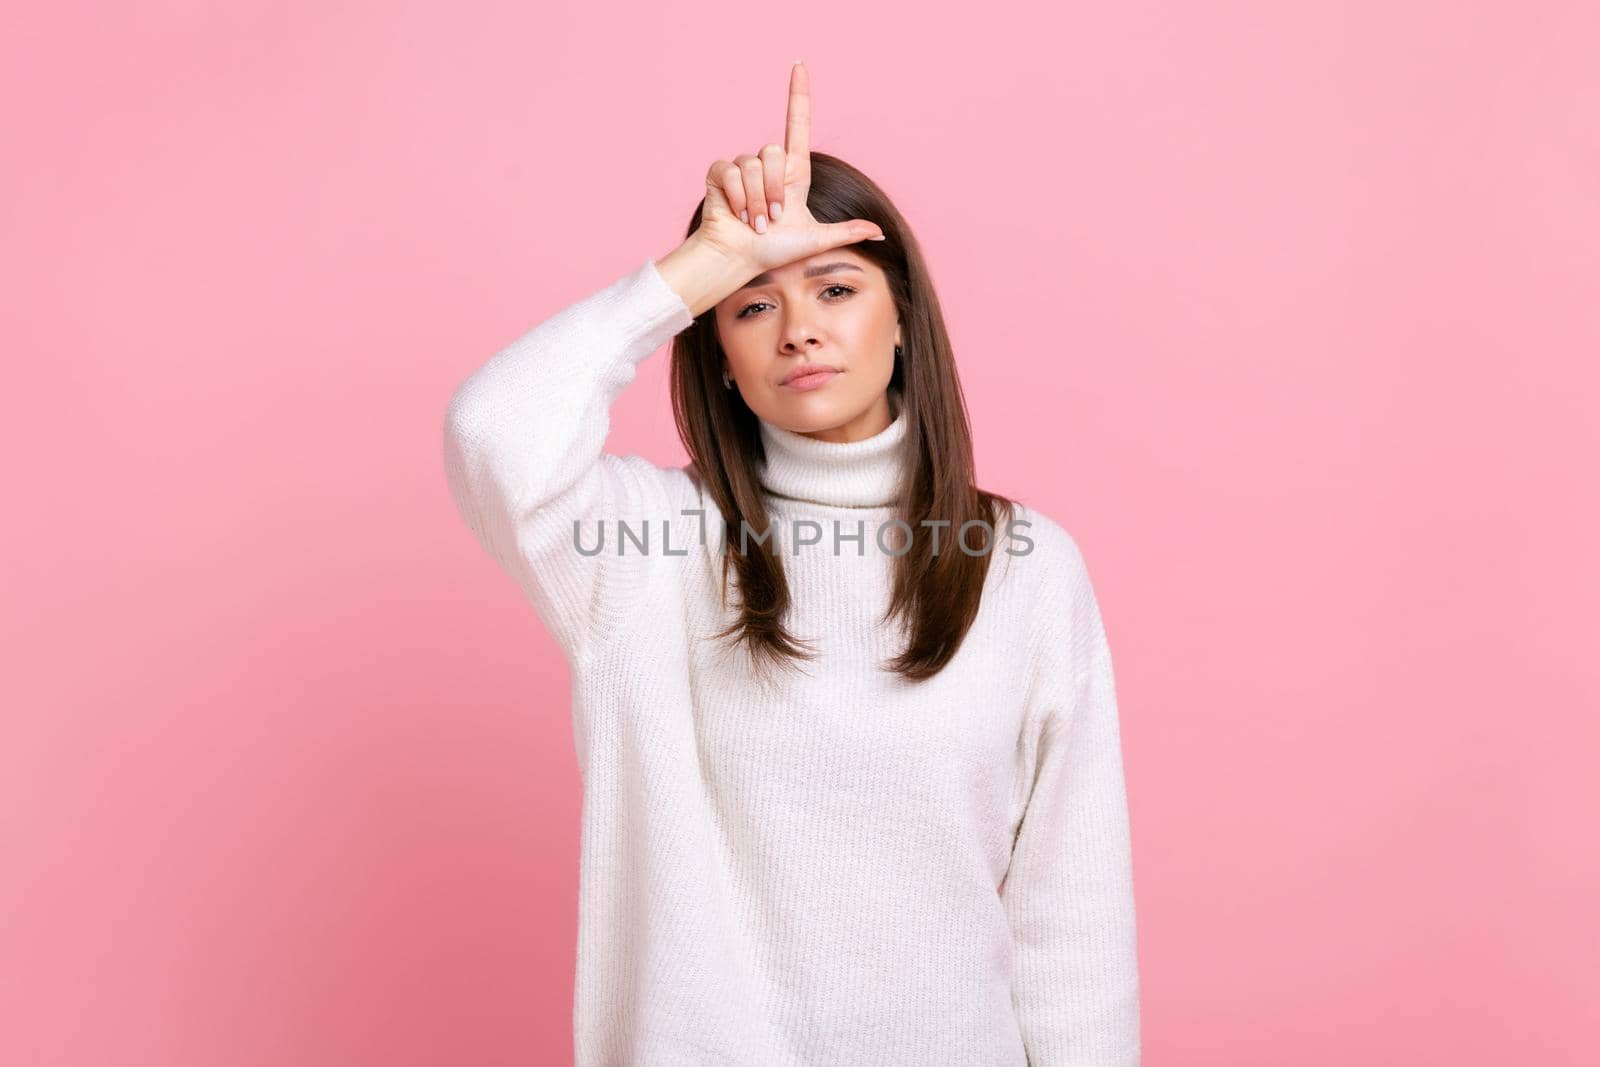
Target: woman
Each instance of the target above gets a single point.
(809, 836)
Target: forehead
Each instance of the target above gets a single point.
(835, 259)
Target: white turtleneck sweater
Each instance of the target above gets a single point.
(839, 867)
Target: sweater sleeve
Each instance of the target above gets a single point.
(1069, 889)
(522, 449)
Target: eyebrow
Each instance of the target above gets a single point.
(765, 277)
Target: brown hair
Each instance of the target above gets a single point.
(936, 595)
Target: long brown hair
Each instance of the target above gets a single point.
(936, 595)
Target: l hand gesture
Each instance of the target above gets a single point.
(769, 190)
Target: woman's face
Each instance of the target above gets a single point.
(832, 310)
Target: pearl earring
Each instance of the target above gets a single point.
(727, 383)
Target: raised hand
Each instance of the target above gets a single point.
(755, 208)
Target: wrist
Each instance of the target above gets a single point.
(701, 274)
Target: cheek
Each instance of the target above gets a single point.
(746, 357)
(875, 328)
(879, 316)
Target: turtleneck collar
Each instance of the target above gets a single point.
(860, 474)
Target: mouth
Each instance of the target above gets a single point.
(810, 376)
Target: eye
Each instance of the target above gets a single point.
(749, 309)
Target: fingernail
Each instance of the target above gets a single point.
(761, 224)
(880, 237)
(777, 211)
(744, 216)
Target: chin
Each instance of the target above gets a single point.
(803, 415)
(818, 410)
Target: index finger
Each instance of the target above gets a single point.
(797, 138)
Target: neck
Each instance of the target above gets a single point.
(865, 474)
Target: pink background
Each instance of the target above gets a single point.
(1287, 311)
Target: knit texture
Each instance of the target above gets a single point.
(839, 867)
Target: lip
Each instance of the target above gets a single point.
(811, 376)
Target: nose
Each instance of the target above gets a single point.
(797, 337)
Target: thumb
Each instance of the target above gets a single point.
(836, 234)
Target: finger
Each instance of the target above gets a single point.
(772, 164)
(716, 200)
(726, 177)
(754, 191)
(797, 135)
(837, 234)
